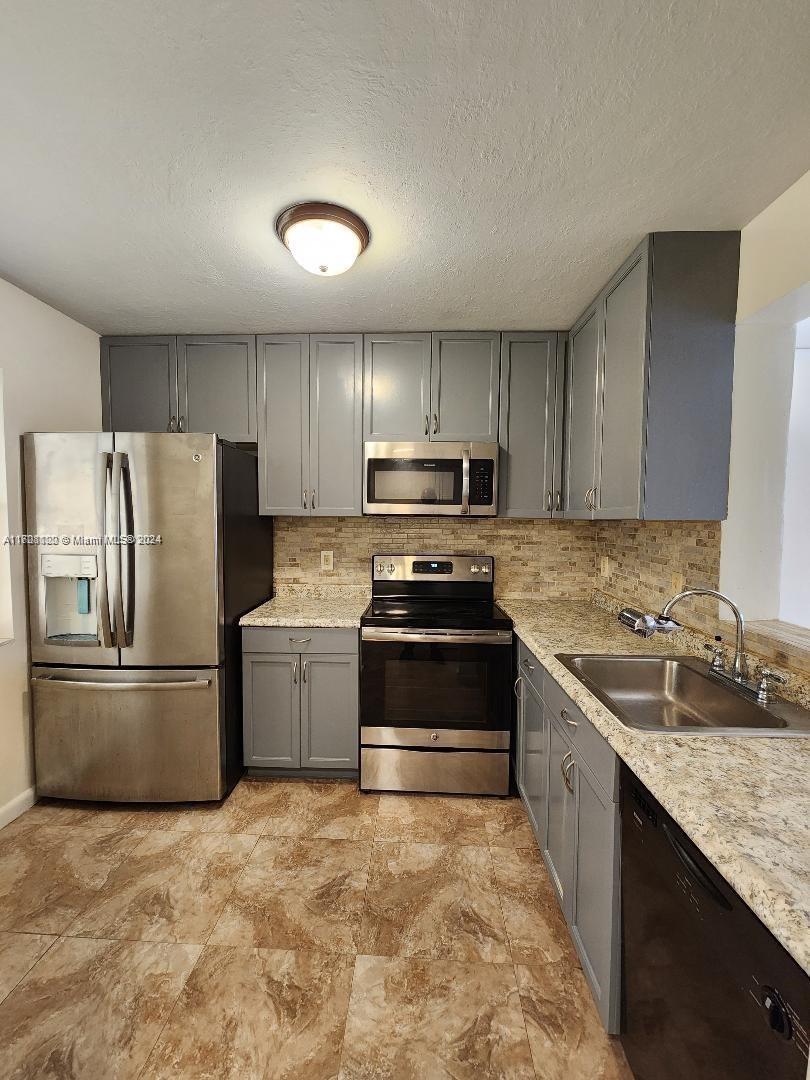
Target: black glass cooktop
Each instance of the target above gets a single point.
(438, 614)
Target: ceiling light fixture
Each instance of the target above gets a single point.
(322, 237)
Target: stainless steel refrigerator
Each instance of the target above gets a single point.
(143, 551)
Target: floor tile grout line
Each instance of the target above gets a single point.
(25, 974)
(525, 1024)
(170, 1012)
(235, 882)
(346, 1020)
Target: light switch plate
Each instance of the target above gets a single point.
(604, 566)
(327, 560)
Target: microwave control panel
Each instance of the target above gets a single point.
(482, 472)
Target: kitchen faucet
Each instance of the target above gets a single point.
(647, 625)
(666, 625)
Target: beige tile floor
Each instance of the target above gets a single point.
(298, 930)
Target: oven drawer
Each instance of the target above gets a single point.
(445, 772)
(440, 739)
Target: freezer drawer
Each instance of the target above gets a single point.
(128, 736)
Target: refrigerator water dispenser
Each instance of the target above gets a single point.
(70, 599)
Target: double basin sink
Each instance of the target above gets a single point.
(679, 695)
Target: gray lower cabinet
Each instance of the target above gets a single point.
(310, 413)
(138, 383)
(300, 708)
(198, 383)
(567, 777)
(329, 711)
(649, 381)
(530, 428)
(272, 714)
(535, 760)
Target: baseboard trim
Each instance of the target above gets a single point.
(18, 805)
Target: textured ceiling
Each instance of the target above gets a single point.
(506, 155)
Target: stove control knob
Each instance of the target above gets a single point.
(391, 568)
(485, 569)
(380, 568)
(434, 737)
(474, 569)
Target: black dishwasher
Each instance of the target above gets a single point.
(707, 992)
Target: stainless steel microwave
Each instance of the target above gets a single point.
(452, 478)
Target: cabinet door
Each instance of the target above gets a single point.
(535, 770)
(520, 738)
(465, 371)
(271, 710)
(561, 827)
(527, 424)
(329, 712)
(335, 418)
(618, 492)
(216, 384)
(396, 379)
(595, 909)
(284, 424)
(138, 383)
(582, 386)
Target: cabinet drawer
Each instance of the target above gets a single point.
(530, 668)
(595, 750)
(299, 639)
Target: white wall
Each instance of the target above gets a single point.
(774, 294)
(50, 380)
(794, 593)
(751, 544)
(775, 259)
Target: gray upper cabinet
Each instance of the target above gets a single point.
(310, 444)
(582, 401)
(335, 419)
(284, 424)
(397, 387)
(216, 383)
(464, 386)
(621, 419)
(329, 711)
(138, 383)
(649, 381)
(530, 428)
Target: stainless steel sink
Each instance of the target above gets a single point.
(678, 694)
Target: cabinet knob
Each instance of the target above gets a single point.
(434, 737)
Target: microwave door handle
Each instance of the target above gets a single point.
(119, 629)
(103, 601)
(465, 481)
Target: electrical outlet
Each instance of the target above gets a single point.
(327, 560)
(604, 566)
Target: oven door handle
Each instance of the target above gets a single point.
(442, 637)
(465, 481)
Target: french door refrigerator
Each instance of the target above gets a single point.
(143, 550)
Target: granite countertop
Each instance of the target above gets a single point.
(745, 802)
(327, 606)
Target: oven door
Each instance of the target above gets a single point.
(435, 689)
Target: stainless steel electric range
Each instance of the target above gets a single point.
(435, 673)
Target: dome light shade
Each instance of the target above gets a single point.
(323, 238)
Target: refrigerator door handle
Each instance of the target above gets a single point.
(103, 601)
(119, 626)
(76, 684)
(127, 554)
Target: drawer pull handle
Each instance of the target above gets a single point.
(567, 718)
(563, 772)
(527, 665)
(300, 640)
(567, 775)
(519, 687)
